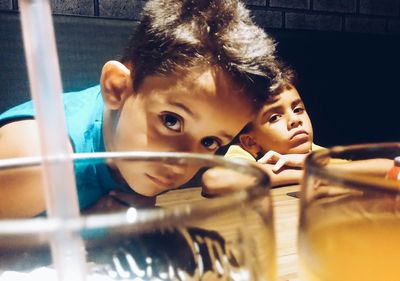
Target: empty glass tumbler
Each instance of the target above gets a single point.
(350, 214)
(178, 235)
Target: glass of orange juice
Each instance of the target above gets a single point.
(350, 214)
(179, 235)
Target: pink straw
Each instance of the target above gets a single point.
(46, 91)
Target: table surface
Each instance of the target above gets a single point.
(286, 210)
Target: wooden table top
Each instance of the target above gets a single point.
(286, 210)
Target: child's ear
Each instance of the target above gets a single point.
(116, 84)
(249, 144)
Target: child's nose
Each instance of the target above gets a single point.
(294, 121)
(190, 144)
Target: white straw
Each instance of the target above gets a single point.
(46, 90)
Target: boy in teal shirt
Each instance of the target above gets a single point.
(194, 74)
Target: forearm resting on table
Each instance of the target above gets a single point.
(373, 167)
(217, 181)
(285, 176)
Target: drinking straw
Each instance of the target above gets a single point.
(58, 175)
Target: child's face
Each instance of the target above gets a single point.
(284, 125)
(197, 113)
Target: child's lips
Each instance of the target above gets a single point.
(301, 134)
(160, 181)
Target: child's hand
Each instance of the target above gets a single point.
(280, 160)
(219, 180)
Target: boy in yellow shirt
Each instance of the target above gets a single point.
(279, 139)
(280, 136)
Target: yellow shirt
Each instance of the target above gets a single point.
(238, 152)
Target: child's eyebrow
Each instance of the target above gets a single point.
(227, 136)
(182, 106)
(297, 101)
(272, 109)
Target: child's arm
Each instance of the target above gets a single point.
(218, 181)
(280, 160)
(284, 176)
(283, 169)
(377, 167)
(21, 192)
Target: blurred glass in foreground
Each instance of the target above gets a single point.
(229, 237)
(350, 215)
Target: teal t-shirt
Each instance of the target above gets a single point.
(84, 117)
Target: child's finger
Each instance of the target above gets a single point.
(297, 160)
(270, 155)
(281, 162)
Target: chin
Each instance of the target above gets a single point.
(301, 149)
(150, 189)
(145, 191)
(144, 187)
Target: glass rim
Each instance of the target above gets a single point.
(342, 177)
(142, 218)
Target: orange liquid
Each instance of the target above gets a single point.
(351, 244)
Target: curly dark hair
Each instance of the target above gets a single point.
(284, 80)
(174, 35)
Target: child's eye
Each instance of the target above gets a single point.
(298, 110)
(211, 143)
(172, 122)
(274, 118)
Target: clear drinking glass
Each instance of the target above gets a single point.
(184, 236)
(350, 215)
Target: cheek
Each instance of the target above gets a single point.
(131, 135)
(311, 128)
(189, 174)
(272, 134)
(130, 172)
(307, 122)
(134, 175)
(273, 138)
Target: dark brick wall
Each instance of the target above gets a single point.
(74, 7)
(313, 21)
(346, 54)
(5, 5)
(365, 16)
(291, 4)
(128, 9)
(362, 16)
(340, 6)
(380, 7)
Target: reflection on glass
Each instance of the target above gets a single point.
(228, 237)
(350, 219)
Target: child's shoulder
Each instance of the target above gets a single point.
(235, 151)
(74, 100)
(86, 96)
(315, 147)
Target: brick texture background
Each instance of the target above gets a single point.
(362, 16)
